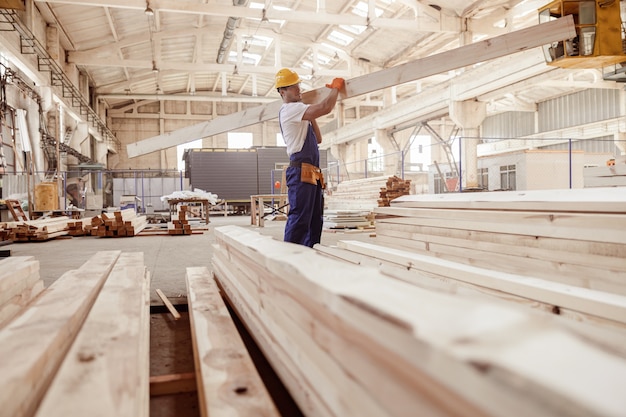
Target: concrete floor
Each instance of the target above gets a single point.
(165, 256)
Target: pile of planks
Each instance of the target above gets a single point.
(81, 348)
(122, 223)
(574, 237)
(449, 311)
(178, 224)
(76, 228)
(35, 230)
(362, 194)
(19, 285)
(395, 187)
(367, 193)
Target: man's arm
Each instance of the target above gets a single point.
(325, 106)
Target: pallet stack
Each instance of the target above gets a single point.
(179, 225)
(81, 348)
(19, 285)
(124, 223)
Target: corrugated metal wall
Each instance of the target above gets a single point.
(236, 174)
(511, 124)
(229, 173)
(577, 109)
(604, 144)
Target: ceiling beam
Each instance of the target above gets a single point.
(418, 24)
(500, 46)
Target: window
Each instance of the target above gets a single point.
(239, 140)
(449, 184)
(483, 178)
(507, 177)
(419, 154)
(375, 156)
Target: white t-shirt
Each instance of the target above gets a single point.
(294, 129)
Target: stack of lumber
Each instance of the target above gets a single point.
(81, 348)
(362, 194)
(348, 340)
(179, 225)
(347, 219)
(36, 230)
(4, 232)
(573, 237)
(395, 187)
(19, 284)
(367, 193)
(76, 228)
(122, 223)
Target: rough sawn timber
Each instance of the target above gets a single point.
(227, 380)
(352, 341)
(106, 371)
(33, 345)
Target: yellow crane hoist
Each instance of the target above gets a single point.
(600, 39)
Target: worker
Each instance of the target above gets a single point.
(74, 195)
(302, 136)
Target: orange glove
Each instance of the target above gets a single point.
(337, 83)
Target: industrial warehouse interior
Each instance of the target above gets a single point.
(472, 258)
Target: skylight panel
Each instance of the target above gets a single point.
(340, 38)
(361, 10)
(356, 29)
(246, 58)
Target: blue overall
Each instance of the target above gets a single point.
(306, 204)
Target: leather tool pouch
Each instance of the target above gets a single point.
(312, 175)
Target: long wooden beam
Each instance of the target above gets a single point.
(496, 47)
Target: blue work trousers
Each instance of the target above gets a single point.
(306, 206)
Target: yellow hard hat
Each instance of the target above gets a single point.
(286, 77)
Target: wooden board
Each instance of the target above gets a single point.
(594, 303)
(228, 383)
(598, 200)
(495, 47)
(106, 372)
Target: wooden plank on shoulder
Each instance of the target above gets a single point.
(106, 371)
(33, 345)
(228, 383)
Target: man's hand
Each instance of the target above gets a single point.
(337, 83)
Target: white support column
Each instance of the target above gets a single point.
(469, 115)
(620, 137)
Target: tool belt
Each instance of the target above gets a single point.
(311, 175)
